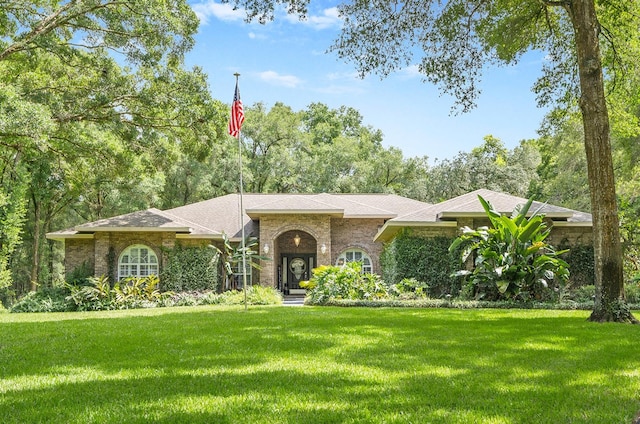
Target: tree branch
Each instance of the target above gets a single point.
(556, 3)
(51, 22)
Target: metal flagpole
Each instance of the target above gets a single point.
(243, 244)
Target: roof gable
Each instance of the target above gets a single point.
(468, 205)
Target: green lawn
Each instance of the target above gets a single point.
(317, 365)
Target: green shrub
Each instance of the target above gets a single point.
(190, 269)
(256, 295)
(46, 299)
(410, 288)
(346, 282)
(453, 304)
(580, 261)
(632, 292)
(96, 296)
(424, 259)
(132, 292)
(191, 299)
(583, 294)
(80, 275)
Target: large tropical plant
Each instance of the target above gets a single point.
(232, 256)
(512, 259)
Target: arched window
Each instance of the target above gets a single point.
(137, 261)
(356, 255)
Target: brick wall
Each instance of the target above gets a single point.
(96, 250)
(278, 232)
(77, 251)
(356, 234)
(336, 234)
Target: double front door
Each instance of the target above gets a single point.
(296, 268)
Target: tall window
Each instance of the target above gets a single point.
(356, 255)
(237, 273)
(137, 261)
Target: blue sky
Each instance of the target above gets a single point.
(286, 61)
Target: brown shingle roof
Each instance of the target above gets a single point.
(211, 218)
(468, 204)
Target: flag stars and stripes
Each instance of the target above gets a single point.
(237, 114)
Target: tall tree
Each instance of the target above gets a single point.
(562, 170)
(94, 101)
(271, 138)
(490, 165)
(458, 37)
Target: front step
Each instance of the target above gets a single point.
(293, 300)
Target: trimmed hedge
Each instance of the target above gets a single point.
(425, 259)
(190, 269)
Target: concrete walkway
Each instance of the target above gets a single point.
(293, 300)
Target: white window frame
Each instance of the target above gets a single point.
(356, 255)
(138, 260)
(237, 272)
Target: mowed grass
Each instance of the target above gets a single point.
(317, 365)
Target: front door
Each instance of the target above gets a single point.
(296, 268)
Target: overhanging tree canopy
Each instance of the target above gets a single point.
(456, 38)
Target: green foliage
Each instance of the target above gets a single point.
(13, 208)
(81, 274)
(93, 116)
(47, 299)
(410, 288)
(345, 282)
(485, 166)
(256, 295)
(562, 172)
(632, 293)
(130, 293)
(95, 296)
(512, 260)
(583, 294)
(425, 259)
(580, 261)
(190, 269)
(134, 292)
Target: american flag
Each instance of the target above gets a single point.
(237, 114)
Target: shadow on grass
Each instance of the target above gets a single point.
(314, 365)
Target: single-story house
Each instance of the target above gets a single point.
(297, 232)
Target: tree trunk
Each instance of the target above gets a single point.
(35, 262)
(610, 304)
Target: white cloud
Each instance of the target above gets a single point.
(256, 36)
(275, 78)
(411, 71)
(349, 76)
(327, 19)
(224, 12)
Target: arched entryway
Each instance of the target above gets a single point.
(297, 257)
